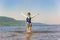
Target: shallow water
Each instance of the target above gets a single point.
(38, 33)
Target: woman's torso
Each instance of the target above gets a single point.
(28, 19)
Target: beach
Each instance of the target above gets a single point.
(38, 33)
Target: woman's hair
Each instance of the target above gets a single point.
(28, 13)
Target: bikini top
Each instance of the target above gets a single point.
(28, 20)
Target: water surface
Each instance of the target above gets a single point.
(38, 33)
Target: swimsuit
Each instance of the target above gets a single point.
(28, 22)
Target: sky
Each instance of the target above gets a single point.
(49, 10)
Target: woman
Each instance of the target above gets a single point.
(28, 21)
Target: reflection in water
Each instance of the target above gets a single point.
(28, 36)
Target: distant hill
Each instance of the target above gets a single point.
(7, 21)
(44, 24)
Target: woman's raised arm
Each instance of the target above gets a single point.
(34, 16)
(23, 15)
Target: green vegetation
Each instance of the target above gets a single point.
(6, 21)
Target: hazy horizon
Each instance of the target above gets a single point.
(49, 10)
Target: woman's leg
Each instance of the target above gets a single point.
(29, 29)
(27, 26)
